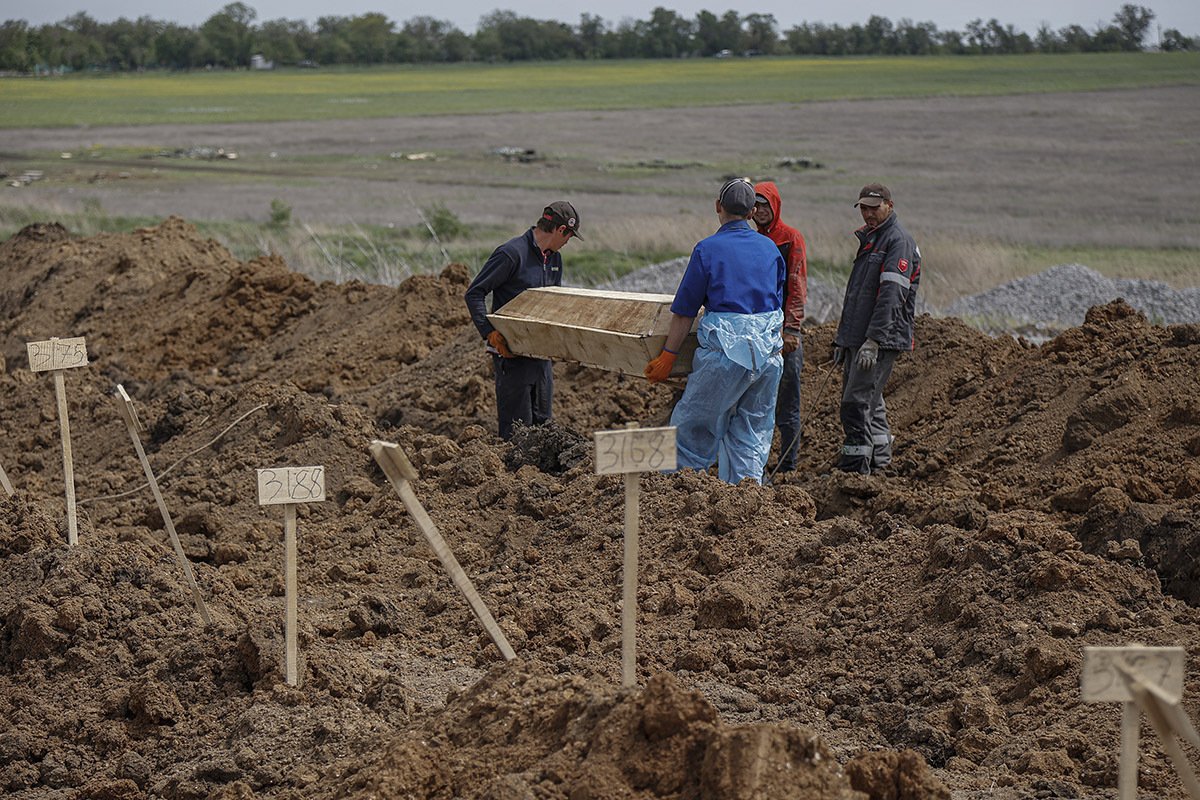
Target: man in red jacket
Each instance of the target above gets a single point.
(791, 246)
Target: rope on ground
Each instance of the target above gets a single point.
(184, 457)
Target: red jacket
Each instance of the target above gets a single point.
(791, 244)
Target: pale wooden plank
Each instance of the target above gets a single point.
(621, 312)
(626, 312)
(629, 581)
(1152, 706)
(1127, 770)
(619, 331)
(1107, 670)
(291, 672)
(129, 414)
(610, 294)
(400, 473)
(64, 427)
(618, 352)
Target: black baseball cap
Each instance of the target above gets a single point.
(873, 195)
(560, 212)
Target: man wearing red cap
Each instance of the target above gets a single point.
(876, 326)
(524, 386)
(767, 206)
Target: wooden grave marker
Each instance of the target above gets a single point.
(56, 355)
(401, 473)
(1148, 680)
(632, 451)
(129, 414)
(288, 486)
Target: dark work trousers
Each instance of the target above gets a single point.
(787, 408)
(524, 390)
(868, 440)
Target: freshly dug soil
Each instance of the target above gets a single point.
(917, 634)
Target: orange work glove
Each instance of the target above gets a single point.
(659, 369)
(496, 339)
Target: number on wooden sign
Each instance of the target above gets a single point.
(1102, 679)
(282, 485)
(634, 450)
(57, 354)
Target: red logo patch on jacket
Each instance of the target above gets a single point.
(903, 265)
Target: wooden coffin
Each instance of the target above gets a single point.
(618, 331)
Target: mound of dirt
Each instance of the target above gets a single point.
(914, 635)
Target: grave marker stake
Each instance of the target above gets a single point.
(401, 473)
(1153, 707)
(288, 486)
(64, 429)
(57, 355)
(129, 414)
(632, 451)
(1147, 680)
(1127, 774)
(629, 581)
(290, 602)
(8, 487)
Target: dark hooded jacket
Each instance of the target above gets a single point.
(881, 293)
(513, 267)
(791, 246)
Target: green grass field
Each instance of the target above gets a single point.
(164, 98)
(323, 241)
(372, 253)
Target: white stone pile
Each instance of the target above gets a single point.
(1037, 305)
(1059, 298)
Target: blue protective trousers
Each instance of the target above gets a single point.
(727, 415)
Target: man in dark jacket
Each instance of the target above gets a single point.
(876, 326)
(524, 386)
(767, 205)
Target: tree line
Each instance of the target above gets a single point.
(231, 38)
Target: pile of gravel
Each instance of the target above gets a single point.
(1037, 306)
(824, 299)
(1059, 297)
(661, 278)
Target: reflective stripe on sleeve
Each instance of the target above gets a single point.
(895, 277)
(856, 449)
(882, 438)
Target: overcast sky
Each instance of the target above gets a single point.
(1025, 15)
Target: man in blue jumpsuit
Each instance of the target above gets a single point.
(524, 386)
(727, 412)
(876, 326)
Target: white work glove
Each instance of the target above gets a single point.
(868, 354)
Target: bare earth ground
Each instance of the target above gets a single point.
(1102, 168)
(830, 636)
